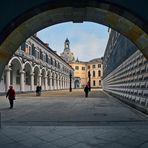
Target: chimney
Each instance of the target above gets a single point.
(46, 44)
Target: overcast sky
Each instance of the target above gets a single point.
(87, 40)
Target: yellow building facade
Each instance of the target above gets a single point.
(81, 73)
(82, 69)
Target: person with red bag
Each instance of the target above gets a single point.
(11, 96)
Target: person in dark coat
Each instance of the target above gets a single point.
(11, 96)
(38, 90)
(86, 90)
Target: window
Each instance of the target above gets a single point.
(44, 57)
(47, 59)
(76, 67)
(27, 77)
(89, 74)
(88, 66)
(99, 73)
(55, 63)
(27, 49)
(18, 77)
(94, 83)
(51, 61)
(83, 68)
(93, 66)
(99, 82)
(99, 65)
(93, 73)
(37, 54)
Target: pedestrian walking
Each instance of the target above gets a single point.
(40, 90)
(86, 90)
(37, 90)
(11, 96)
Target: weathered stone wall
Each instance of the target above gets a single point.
(125, 73)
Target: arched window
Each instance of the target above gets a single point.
(27, 77)
(18, 76)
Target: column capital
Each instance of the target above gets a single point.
(22, 71)
(32, 74)
(7, 68)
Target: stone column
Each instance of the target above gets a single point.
(22, 81)
(55, 83)
(32, 81)
(50, 82)
(59, 83)
(45, 82)
(39, 81)
(7, 70)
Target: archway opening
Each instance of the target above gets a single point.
(126, 23)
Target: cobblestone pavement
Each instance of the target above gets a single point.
(60, 119)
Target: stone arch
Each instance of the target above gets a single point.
(27, 74)
(77, 83)
(117, 15)
(36, 71)
(17, 60)
(16, 68)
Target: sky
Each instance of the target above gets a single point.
(87, 40)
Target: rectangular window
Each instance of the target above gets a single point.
(83, 68)
(30, 50)
(94, 83)
(27, 49)
(93, 73)
(99, 65)
(100, 82)
(94, 66)
(44, 57)
(88, 66)
(76, 67)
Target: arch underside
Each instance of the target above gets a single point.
(75, 15)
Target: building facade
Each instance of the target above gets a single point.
(82, 70)
(125, 72)
(34, 63)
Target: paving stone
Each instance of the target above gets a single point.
(64, 142)
(69, 122)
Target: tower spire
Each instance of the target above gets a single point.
(67, 44)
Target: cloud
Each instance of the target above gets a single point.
(88, 45)
(87, 41)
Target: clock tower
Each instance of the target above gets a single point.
(67, 43)
(67, 55)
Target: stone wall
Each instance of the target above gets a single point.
(129, 81)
